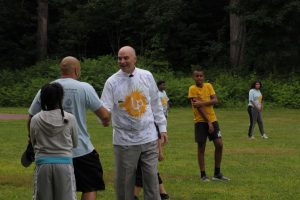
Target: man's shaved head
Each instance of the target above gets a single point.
(70, 66)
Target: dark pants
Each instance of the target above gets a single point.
(255, 116)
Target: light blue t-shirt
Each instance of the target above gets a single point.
(78, 98)
(256, 97)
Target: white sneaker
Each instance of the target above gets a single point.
(264, 136)
(205, 179)
(220, 177)
(251, 138)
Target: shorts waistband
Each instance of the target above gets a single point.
(53, 160)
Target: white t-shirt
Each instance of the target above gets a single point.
(135, 105)
(164, 101)
(256, 97)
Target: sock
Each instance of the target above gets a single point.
(217, 170)
(203, 174)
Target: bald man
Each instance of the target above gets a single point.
(131, 95)
(78, 98)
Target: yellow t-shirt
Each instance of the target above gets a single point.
(203, 94)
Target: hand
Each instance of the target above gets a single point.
(197, 103)
(105, 122)
(164, 138)
(161, 156)
(210, 127)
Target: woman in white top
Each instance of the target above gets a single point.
(255, 109)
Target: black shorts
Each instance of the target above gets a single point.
(88, 173)
(201, 132)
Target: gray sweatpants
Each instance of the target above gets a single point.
(255, 116)
(54, 182)
(126, 158)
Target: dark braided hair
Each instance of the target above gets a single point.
(51, 98)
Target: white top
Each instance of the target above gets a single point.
(256, 97)
(78, 98)
(164, 101)
(135, 105)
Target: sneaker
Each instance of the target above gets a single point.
(251, 137)
(205, 179)
(28, 156)
(220, 177)
(264, 136)
(164, 196)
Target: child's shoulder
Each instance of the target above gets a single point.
(69, 115)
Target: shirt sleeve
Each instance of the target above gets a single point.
(156, 106)
(251, 96)
(107, 96)
(211, 89)
(166, 96)
(35, 105)
(192, 92)
(93, 100)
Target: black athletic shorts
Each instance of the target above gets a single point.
(201, 132)
(88, 173)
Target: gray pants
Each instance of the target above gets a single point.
(255, 116)
(126, 158)
(54, 182)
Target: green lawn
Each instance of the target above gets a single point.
(259, 169)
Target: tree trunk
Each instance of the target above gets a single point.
(237, 37)
(42, 12)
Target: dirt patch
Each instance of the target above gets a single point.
(13, 116)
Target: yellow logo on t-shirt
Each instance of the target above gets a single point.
(164, 101)
(135, 103)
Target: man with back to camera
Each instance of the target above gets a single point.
(79, 96)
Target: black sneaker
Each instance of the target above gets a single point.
(28, 155)
(220, 177)
(164, 196)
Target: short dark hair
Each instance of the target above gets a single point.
(198, 69)
(51, 97)
(254, 83)
(160, 82)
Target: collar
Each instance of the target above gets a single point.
(129, 75)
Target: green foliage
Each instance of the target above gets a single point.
(272, 37)
(18, 87)
(287, 93)
(96, 71)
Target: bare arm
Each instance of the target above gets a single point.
(199, 106)
(160, 150)
(104, 115)
(213, 100)
(28, 126)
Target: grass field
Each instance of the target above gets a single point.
(259, 169)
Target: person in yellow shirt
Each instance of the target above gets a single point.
(203, 98)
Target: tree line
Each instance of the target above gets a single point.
(244, 36)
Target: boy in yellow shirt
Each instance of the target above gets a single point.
(203, 98)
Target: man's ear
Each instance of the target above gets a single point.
(77, 72)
